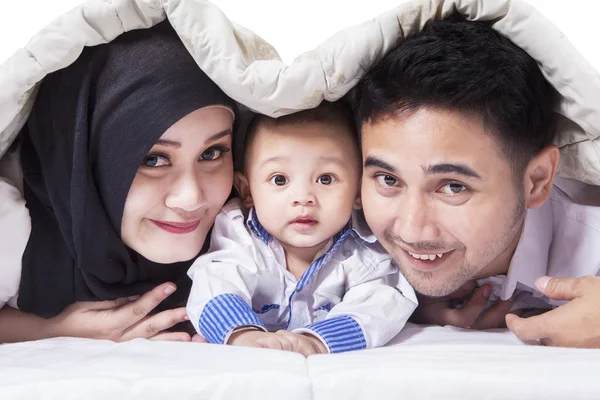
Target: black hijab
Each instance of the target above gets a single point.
(90, 127)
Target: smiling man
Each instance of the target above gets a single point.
(459, 185)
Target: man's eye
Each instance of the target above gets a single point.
(386, 180)
(326, 179)
(453, 188)
(279, 180)
(155, 161)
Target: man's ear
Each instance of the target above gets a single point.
(539, 176)
(241, 184)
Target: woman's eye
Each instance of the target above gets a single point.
(326, 179)
(155, 161)
(453, 188)
(213, 153)
(210, 154)
(386, 180)
(279, 180)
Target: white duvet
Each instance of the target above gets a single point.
(250, 70)
(422, 362)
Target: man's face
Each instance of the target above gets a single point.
(439, 195)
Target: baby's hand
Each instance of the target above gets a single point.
(305, 344)
(281, 340)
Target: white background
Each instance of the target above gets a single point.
(295, 26)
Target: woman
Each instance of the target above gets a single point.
(126, 162)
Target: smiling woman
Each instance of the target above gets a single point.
(123, 179)
(179, 186)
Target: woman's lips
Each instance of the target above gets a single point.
(177, 227)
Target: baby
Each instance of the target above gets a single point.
(300, 270)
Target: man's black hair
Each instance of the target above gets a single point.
(468, 67)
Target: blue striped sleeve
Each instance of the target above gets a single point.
(340, 334)
(224, 313)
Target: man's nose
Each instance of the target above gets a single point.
(416, 222)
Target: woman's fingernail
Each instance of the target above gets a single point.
(187, 317)
(542, 282)
(169, 289)
(133, 298)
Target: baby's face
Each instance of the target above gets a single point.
(304, 181)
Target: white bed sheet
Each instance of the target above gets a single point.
(422, 362)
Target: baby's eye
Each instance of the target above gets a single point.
(386, 180)
(326, 179)
(279, 180)
(155, 161)
(453, 188)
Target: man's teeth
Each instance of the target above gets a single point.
(429, 257)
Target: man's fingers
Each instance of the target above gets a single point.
(565, 288)
(172, 337)
(152, 326)
(464, 291)
(495, 317)
(137, 310)
(466, 316)
(531, 328)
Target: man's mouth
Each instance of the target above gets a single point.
(428, 256)
(427, 261)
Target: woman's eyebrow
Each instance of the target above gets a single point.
(218, 136)
(168, 143)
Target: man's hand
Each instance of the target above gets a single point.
(440, 311)
(280, 340)
(575, 324)
(121, 320)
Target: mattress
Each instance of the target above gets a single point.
(422, 362)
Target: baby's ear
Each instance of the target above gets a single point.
(357, 203)
(241, 184)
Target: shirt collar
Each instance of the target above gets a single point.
(530, 260)
(359, 225)
(256, 228)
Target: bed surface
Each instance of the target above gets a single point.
(422, 362)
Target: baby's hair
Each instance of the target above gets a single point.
(337, 114)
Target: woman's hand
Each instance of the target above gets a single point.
(121, 320)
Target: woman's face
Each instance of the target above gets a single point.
(179, 188)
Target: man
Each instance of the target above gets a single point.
(459, 185)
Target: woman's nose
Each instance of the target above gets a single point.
(186, 193)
